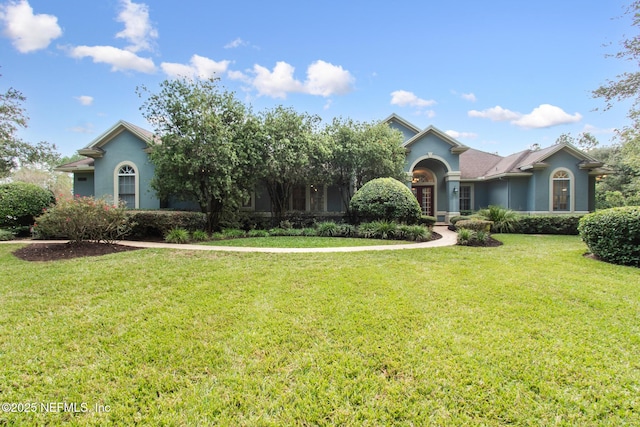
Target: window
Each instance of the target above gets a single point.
(299, 198)
(561, 191)
(316, 198)
(465, 198)
(126, 186)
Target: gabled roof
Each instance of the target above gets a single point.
(94, 148)
(396, 118)
(476, 164)
(456, 147)
(86, 164)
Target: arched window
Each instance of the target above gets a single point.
(561, 189)
(126, 185)
(422, 176)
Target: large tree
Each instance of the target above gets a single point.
(626, 86)
(14, 151)
(292, 152)
(204, 150)
(359, 152)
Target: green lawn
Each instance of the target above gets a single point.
(302, 242)
(529, 334)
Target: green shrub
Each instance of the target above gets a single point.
(327, 229)
(84, 218)
(385, 229)
(21, 203)
(199, 236)
(504, 220)
(367, 230)
(177, 235)
(159, 223)
(427, 221)
(416, 233)
(6, 235)
(258, 233)
(548, 224)
(385, 199)
(465, 236)
(309, 231)
(474, 224)
(481, 236)
(233, 233)
(347, 230)
(613, 235)
(454, 219)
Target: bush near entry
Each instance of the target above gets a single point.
(385, 199)
(613, 235)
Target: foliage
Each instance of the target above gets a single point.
(613, 235)
(158, 223)
(386, 199)
(465, 235)
(547, 224)
(291, 153)
(177, 235)
(6, 235)
(585, 141)
(233, 233)
(199, 236)
(471, 237)
(474, 224)
(620, 187)
(257, 233)
(417, 233)
(347, 230)
(13, 151)
(84, 218)
(504, 220)
(427, 220)
(309, 232)
(454, 219)
(328, 229)
(20, 203)
(360, 152)
(207, 150)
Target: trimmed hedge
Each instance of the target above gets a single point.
(548, 224)
(159, 223)
(613, 235)
(385, 199)
(21, 202)
(475, 224)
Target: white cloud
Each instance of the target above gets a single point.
(119, 59)
(236, 43)
(28, 32)
(469, 97)
(85, 99)
(199, 66)
(495, 114)
(239, 75)
(456, 134)
(326, 79)
(137, 27)
(404, 98)
(545, 116)
(597, 131)
(83, 128)
(276, 83)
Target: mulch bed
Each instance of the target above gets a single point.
(58, 251)
(489, 243)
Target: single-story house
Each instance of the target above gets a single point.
(447, 177)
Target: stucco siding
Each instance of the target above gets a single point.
(83, 184)
(518, 194)
(431, 146)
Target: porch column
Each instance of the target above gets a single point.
(452, 180)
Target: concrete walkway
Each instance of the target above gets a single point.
(449, 238)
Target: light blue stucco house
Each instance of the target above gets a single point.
(446, 176)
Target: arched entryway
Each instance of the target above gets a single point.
(423, 184)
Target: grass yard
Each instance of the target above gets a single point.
(529, 334)
(303, 242)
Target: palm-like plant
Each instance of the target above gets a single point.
(504, 220)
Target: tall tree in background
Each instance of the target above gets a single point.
(13, 151)
(626, 86)
(292, 151)
(205, 148)
(359, 152)
(585, 141)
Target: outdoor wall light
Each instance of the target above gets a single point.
(455, 190)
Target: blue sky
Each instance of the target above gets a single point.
(498, 76)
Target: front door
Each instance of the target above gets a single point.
(424, 194)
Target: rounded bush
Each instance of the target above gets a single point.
(385, 199)
(613, 235)
(21, 202)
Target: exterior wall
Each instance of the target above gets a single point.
(430, 146)
(334, 199)
(407, 133)
(518, 194)
(83, 184)
(497, 192)
(125, 147)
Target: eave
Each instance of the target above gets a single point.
(94, 153)
(534, 166)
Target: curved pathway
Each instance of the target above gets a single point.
(449, 238)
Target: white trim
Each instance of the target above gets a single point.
(433, 184)
(572, 190)
(431, 156)
(116, 181)
(553, 212)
